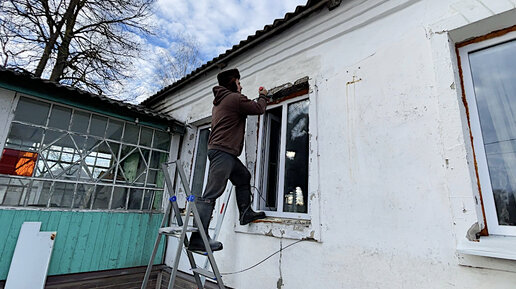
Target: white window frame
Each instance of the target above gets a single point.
(206, 169)
(261, 172)
(478, 143)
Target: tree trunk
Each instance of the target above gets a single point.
(63, 50)
(49, 46)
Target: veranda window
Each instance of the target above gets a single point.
(58, 156)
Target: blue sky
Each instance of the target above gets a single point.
(216, 25)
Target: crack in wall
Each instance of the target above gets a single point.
(280, 283)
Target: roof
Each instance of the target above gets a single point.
(268, 31)
(27, 83)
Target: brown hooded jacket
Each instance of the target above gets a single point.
(229, 114)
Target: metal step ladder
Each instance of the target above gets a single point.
(180, 231)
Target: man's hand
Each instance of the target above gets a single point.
(262, 91)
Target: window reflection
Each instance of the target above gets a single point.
(493, 70)
(296, 161)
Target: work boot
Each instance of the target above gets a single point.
(247, 215)
(196, 244)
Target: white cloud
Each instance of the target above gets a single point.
(220, 23)
(216, 25)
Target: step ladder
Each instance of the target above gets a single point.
(180, 231)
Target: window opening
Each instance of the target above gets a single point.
(201, 162)
(284, 159)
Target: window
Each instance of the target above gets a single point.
(489, 71)
(58, 156)
(283, 184)
(201, 162)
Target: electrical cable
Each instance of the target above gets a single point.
(261, 197)
(255, 265)
(268, 257)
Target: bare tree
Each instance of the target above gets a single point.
(176, 62)
(88, 44)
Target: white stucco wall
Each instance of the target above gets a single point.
(7, 106)
(395, 180)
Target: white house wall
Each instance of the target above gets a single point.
(395, 179)
(7, 106)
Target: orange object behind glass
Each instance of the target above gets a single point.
(18, 163)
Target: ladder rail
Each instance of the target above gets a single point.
(179, 249)
(211, 258)
(179, 220)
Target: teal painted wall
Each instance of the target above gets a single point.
(85, 241)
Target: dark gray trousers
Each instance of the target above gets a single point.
(224, 167)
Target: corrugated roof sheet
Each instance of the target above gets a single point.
(268, 31)
(27, 80)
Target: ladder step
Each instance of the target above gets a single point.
(176, 230)
(203, 272)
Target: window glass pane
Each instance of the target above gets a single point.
(151, 178)
(60, 117)
(80, 121)
(32, 111)
(156, 203)
(51, 136)
(114, 129)
(131, 133)
(83, 196)
(39, 193)
(271, 163)
(146, 137)
(296, 158)
(161, 140)
(3, 190)
(147, 200)
(24, 137)
(98, 125)
(493, 70)
(157, 159)
(20, 163)
(134, 164)
(135, 199)
(201, 158)
(62, 195)
(15, 191)
(119, 198)
(92, 144)
(102, 197)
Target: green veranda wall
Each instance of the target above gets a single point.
(85, 241)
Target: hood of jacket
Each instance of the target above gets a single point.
(220, 92)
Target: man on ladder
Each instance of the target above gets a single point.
(225, 144)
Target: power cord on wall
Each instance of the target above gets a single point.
(260, 262)
(268, 257)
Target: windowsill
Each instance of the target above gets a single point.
(286, 221)
(296, 229)
(502, 247)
